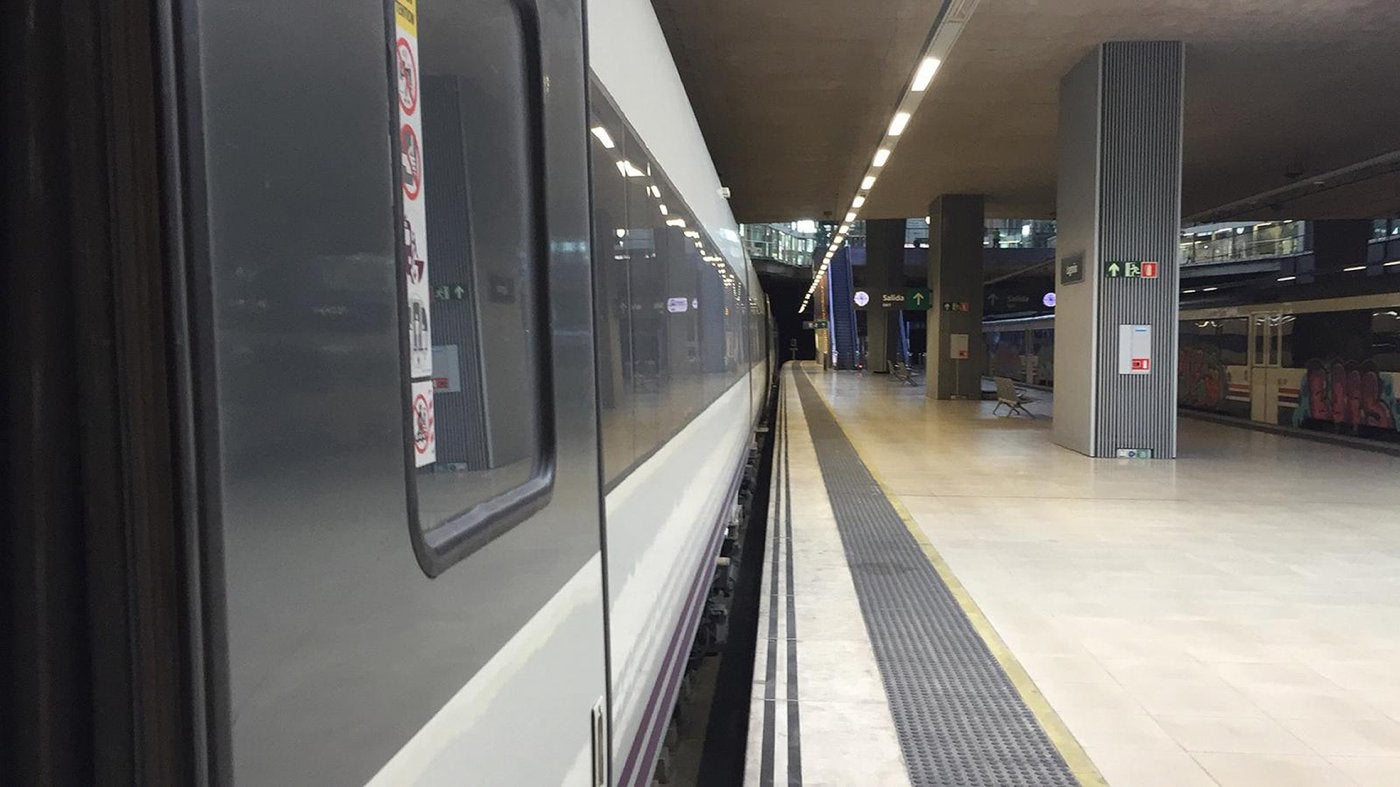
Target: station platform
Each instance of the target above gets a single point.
(950, 598)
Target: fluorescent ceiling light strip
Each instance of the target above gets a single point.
(881, 156)
(868, 183)
(924, 74)
(603, 137)
(850, 217)
(858, 201)
(901, 119)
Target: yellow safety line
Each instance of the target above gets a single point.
(1063, 740)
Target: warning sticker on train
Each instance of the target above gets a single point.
(406, 18)
(408, 76)
(424, 430)
(414, 251)
(412, 162)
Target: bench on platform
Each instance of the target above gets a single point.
(902, 372)
(1013, 399)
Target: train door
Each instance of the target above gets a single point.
(1265, 358)
(390, 223)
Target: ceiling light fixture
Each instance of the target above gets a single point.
(924, 75)
(603, 137)
(945, 34)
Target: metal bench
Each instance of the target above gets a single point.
(1007, 395)
(902, 372)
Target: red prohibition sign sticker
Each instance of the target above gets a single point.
(412, 159)
(422, 424)
(408, 77)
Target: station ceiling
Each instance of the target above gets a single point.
(793, 98)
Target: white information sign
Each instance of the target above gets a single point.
(424, 431)
(415, 215)
(447, 371)
(957, 346)
(1135, 349)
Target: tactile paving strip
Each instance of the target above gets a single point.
(958, 717)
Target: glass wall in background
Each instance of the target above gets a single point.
(1385, 229)
(1000, 233)
(1241, 241)
(790, 243)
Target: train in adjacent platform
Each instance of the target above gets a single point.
(394, 371)
(1329, 364)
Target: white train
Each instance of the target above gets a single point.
(1318, 360)
(420, 370)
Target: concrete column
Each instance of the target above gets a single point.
(884, 272)
(956, 226)
(1118, 208)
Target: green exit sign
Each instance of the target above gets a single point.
(1135, 269)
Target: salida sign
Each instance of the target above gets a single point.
(910, 299)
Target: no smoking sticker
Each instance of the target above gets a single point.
(421, 417)
(408, 76)
(412, 159)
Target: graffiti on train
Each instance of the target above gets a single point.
(1200, 377)
(1346, 393)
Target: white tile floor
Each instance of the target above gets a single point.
(1231, 617)
(848, 734)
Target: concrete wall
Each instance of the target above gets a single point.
(1077, 221)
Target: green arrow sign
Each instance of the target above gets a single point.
(917, 299)
(1135, 269)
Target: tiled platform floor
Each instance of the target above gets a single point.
(1231, 617)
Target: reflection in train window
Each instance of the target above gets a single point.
(672, 314)
(472, 263)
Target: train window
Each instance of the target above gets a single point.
(671, 310)
(481, 443)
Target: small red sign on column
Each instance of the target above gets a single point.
(1142, 364)
(1149, 270)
